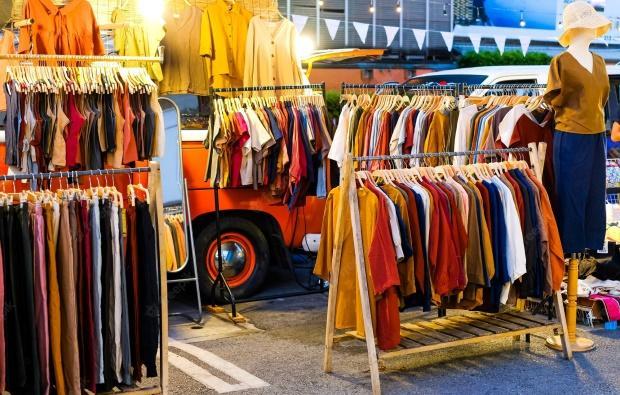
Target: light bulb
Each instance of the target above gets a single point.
(321, 3)
(371, 9)
(445, 9)
(522, 21)
(399, 9)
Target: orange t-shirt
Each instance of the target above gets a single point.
(64, 30)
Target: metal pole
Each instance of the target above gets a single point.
(346, 23)
(428, 25)
(374, 24)
(318, 24)
(401, 22)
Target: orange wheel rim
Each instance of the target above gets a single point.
(232, 245)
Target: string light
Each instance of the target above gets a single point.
(522, 21)
(399, 9)
(371, 9)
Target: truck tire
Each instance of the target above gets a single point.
(246, 257)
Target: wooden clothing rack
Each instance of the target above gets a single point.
(155, 191)
(443, 332)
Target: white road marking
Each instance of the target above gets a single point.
(245, 379)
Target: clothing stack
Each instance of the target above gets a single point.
(460, 240)
(175, 242)
(81, 300)
(370, 129)
(48, 131)
(282, 145)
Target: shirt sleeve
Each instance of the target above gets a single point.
(553, 95)
(206, 39)
(25, 41)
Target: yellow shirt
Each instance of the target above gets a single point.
(271, 54)
(222, 41)
(138, 40)
(348, 302)
(437, 135)
(577, 96)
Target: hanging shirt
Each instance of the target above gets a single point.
(139, 39)
(271, 56)
(223, 36)
(185, 71)
(66, 30)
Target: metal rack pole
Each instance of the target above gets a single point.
(77, 173)
(440, 154)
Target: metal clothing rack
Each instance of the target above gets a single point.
(421, 337)
(220, 281)
(395, 88)
(84, 58)
(77, 173)
(154, 186)
(320, 86)
(456, 89)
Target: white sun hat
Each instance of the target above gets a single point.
(581, 15)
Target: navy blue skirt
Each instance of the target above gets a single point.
(580, 181)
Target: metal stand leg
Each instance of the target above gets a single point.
(220, 280)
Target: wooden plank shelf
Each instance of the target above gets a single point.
(458, 330)
(471, 328)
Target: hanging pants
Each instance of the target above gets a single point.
(580, 166)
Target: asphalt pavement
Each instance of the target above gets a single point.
(280, 351)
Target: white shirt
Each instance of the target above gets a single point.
(339, 144)
(507, 126)
(463, 129)
(395, 229)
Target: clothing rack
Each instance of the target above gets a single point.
(521, 323)
(154, 186)
(396, 87)
(269, 88)
(456, 89)
(441, 154)
(84, 58)
(77, 173)
(220, 281)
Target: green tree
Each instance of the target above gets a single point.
(494, 58)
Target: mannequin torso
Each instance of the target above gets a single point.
(580, 48)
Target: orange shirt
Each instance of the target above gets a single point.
(68, 30)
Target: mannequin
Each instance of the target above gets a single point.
(578, 90)
(580, 47)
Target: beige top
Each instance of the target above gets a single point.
(577, 95)
(271, 54)
(185, 70)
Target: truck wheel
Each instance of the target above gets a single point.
(245, 254)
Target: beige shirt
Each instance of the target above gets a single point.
(271, 54)
(185, 71)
